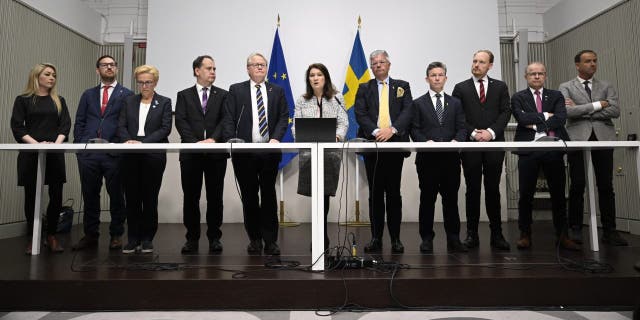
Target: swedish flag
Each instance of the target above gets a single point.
(278, 74)
(357, 73)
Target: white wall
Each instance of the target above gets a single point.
(569, 13)
(72, 13)
(413, 32)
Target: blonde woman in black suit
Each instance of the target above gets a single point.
(144, 118)
(40, 115)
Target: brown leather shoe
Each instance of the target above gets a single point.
(525, 241)
(53, 244)
(566, 243)
(115, 243)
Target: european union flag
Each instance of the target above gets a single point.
(278, 74)
(357, 73)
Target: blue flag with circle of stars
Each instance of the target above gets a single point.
(278, 74)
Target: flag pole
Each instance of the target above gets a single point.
(282, 222)
(282, 204)
(357, 222)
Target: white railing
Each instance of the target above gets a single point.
(317, 167)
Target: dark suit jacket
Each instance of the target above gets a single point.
(525, 112)
(238, 112)
(88, 119)
(192, 124)
(158, 123)
(367, 105)
(425, 125)
(494, 113)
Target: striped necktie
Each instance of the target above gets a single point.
(263, 127)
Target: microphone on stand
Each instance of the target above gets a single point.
(236, 139)
(98, 139)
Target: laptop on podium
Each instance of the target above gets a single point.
(316, 129)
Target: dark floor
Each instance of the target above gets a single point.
(540, 277)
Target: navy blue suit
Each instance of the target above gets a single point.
(438, 172)
(551, 162)
(384, 169)
(93, 167)
(256, 172)
(143, 171)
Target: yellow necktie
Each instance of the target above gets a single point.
(383, 114)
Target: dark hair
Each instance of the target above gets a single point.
(487, 52)
(102, 57)
(197, 63)
(437, 64)
(578, 56)
(328, 91)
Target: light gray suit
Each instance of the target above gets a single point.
(582, 119)
(585, 123)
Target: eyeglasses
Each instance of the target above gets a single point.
(258, 65)
(108, 65)
(373, 64)
(145, 83)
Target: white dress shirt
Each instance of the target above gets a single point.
(142, 117)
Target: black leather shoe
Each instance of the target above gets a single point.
(499, 243)
(87, 242)
(613, 238)
(575, 234)
(454, 246)
(272, 249)
(472, 241)
(215, 246)
(190, 247)
(255, 247)
(426, 246)
(397, 246)
(374, 246)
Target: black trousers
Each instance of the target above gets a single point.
(53, 208)
(439, 172)
(191, 172)
(93, 168)
(552, 164)
(603, 170)
(475, 166)
(384, 175)
(143, 178)
(256, 174)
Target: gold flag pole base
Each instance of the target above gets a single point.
(357, 222)
(285, 223)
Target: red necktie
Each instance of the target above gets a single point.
(538, 101)
(105, 99)
(483, 98)
(539, 107)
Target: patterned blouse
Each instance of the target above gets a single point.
(332, 108)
